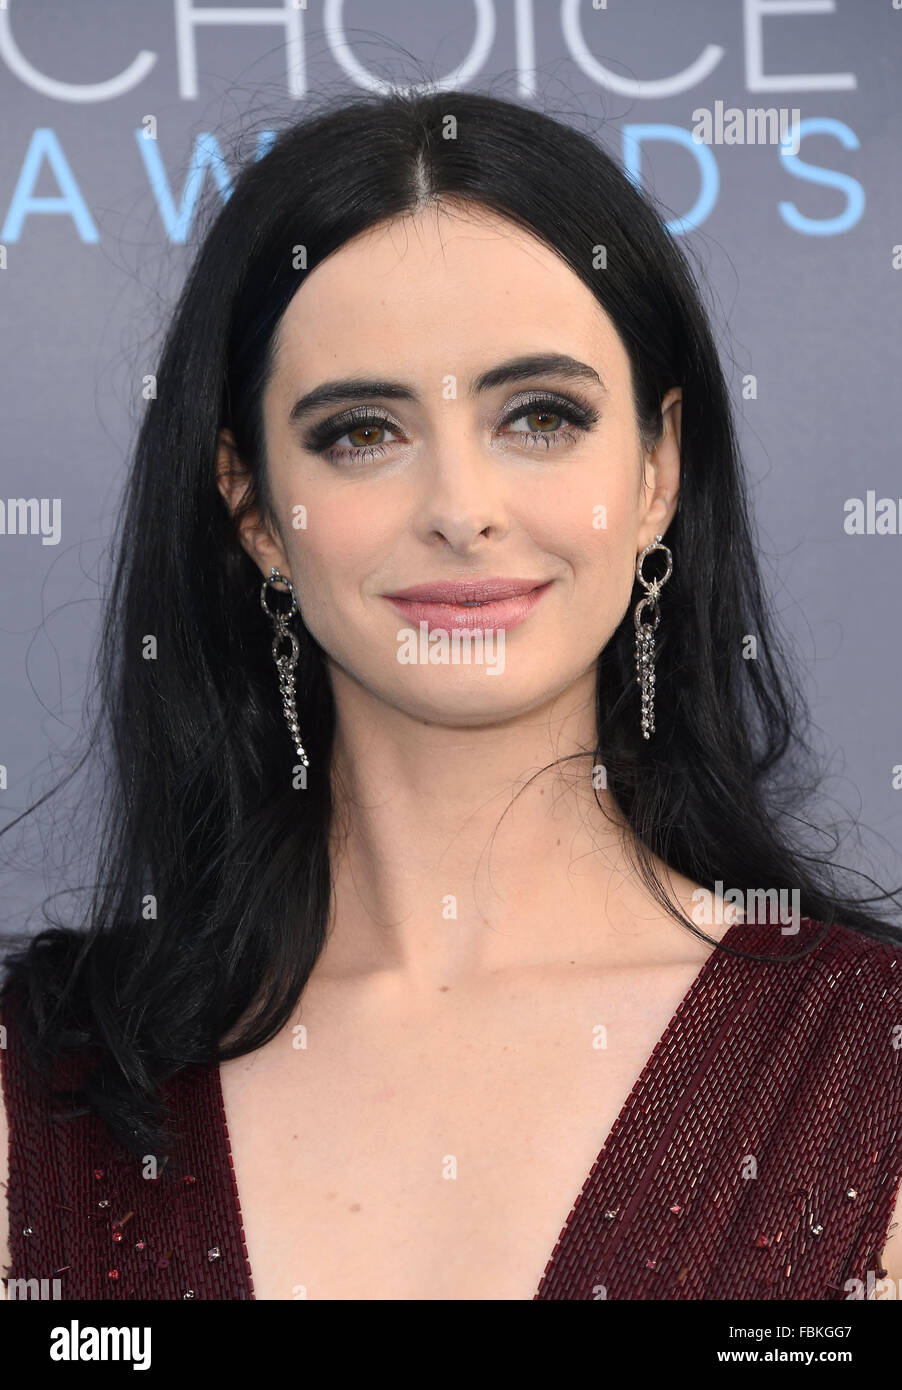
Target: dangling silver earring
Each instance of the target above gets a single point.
(645, 634)
(285, 665)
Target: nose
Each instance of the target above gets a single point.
(463, 497)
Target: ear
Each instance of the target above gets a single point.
(233, 479)
(661, 476)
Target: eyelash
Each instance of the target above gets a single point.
(580, 415)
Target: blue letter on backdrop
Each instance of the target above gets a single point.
(812, 173)
(44, 145)
(633, 135)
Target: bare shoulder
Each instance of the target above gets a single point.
(710, 916)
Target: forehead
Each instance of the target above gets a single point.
(442, 291)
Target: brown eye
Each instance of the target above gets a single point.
(543, 416)
(352, 439)
(548, 421)
(362, 436)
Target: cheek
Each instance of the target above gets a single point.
(343, 539)
(590, 520)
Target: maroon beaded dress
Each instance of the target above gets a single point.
(758, 1155)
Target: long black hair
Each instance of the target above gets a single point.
(213, 889)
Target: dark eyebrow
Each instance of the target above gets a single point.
(516, 369)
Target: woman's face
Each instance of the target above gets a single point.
(534, 474)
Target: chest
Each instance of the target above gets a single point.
(434, 1154)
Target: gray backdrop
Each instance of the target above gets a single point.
(802, 252)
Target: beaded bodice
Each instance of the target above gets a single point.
(758, 1155)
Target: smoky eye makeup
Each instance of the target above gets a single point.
(572, 407)
(579, 413)
(321, 435)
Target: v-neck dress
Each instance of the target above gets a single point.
(758, 1155)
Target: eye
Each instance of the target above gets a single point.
(545, 417)
(551, 420)
(364, 432)
(540, 424)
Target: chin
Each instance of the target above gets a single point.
(477, 701)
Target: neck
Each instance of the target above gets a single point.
(462, 850)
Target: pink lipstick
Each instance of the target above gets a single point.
(470, 603)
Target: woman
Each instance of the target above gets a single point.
(396, 925)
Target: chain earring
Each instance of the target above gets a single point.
(285, 664)
(645, 633)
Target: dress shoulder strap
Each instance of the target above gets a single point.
(760, 1154)
(104, 1222)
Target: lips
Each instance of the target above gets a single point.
(468, 590)
(480, 603)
